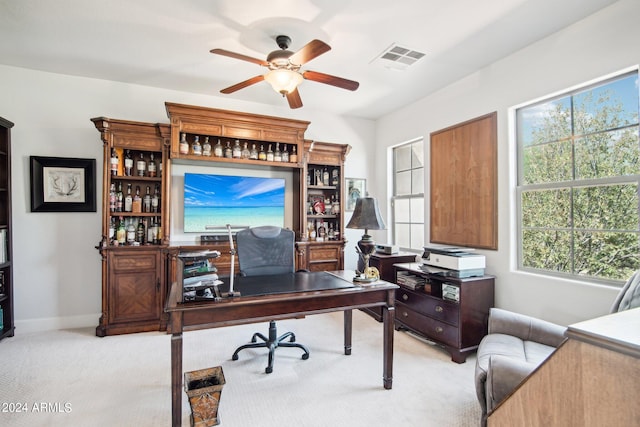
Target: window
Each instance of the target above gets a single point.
(578, 182)
(408, 195)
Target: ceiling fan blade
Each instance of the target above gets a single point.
(331, 80)
(311, 50)
(239, 56)
(294, 99)
(242, 85)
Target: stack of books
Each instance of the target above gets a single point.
(411, 281)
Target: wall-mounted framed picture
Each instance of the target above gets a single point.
(60, 184)
(356, 188)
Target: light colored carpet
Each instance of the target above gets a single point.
(124, 380)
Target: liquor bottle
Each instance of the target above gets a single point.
(206, 147)
(228, 153)
(158, 232)
(115, 161)
(146, 201)
(293, 158)
(285, 154)
(312, 231)
(121, 232)
(270, 154)
(277, 155)
(155, 200)
(141, 232)
(237, 150)
(141, 165)
(128, 163)
(112, 197)
(136, 204)
(217, 150)
(262, 155)
(152, 230)
(119, 198)
(335, 204)
(253, 154)
(128, 199)
(196, 148)
(321, 232)
(160, 167)
(152, 169)
(184, 145)
(334, 177)
(325, 177)
(112, 229)
(331, 234)
(245, 151)
(131, 232)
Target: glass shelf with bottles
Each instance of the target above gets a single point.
(134, 230)
(198, 147)
(135, 165)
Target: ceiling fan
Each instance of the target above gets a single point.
(284, 73)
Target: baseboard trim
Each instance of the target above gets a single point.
(56, 323)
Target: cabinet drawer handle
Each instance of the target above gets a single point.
(405, 297)
(439, 309)
(405, 314)
(439, 329)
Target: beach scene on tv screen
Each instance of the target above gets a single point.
(217, 200)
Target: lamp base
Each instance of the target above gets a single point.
(363, 279)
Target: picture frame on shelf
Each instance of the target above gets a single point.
(61, 184)
(356, 188)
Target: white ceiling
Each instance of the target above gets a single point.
(166, 43)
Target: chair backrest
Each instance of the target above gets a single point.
(629, 295)
(265, 250)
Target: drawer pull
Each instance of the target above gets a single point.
(405, 297)
(439, 309)
(405, 314)
(439, 329)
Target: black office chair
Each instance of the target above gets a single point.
(267, 250)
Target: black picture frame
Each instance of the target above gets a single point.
(61, 184)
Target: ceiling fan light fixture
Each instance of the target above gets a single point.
(283, 81)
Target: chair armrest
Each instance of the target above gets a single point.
(503, 376)
(525, 327)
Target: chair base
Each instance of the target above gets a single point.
(274, 341)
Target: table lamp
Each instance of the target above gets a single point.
(366, 215)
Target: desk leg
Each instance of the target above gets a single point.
(348, 317)
(176, 379)
(388, 318)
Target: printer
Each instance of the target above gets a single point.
(456, 262)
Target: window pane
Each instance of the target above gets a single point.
(417, 236)
(401, 210)
(608, 255)
(546, 122)
(546, 208)
(547, 250)
(417, 154)
(403, 158)
(417, 209)
(608, 106)
(547, 163)
(611, 207)
(417, 181)
(403, 235)
(403, 183)
(608, 154)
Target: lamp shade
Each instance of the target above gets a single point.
(366, 215)
(283, 81)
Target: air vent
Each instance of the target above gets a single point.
(397, 57)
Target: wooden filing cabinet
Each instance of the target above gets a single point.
(456, 319)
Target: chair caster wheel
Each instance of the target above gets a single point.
(234, 357)
(305, 356)
(268, 370)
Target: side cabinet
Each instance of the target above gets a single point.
(449, 311)
(135, 293)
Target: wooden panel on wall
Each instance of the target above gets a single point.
(464, 177)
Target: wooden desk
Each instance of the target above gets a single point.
(298, 294)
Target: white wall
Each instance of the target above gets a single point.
(597, 46)
(57, 275)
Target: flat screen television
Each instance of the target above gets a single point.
(212, 201)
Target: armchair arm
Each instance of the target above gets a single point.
(525, 327)
(503, 376)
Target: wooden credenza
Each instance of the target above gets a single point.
(456, 323)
